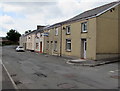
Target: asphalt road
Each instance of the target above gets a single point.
(31, 70)
(6, 82)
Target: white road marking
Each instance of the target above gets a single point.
(15, 86)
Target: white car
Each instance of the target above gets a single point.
(20, 48)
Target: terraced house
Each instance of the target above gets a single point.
(39, 39)
(91, 35)
(53, 40)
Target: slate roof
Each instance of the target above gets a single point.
(85, 15)
(90, 13)
(93, 12)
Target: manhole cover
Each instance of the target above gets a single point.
(66, 85)
(116, 77)
(40, 74)
(17, 82)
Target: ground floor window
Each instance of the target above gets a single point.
(68, 44)
(55, 46)
(37, 45)
(47, 47)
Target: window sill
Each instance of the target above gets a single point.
(67, 34)
(55, 50)
(68, 50)
(84, 32)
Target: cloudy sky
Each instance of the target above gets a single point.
(27, 14)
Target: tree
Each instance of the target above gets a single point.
(13, 35)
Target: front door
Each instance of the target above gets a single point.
(40, 47)
(85, 46)
(51, 48)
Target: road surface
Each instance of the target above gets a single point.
(31, 70)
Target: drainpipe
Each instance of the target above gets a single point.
(61, 41)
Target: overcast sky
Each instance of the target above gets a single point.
(27, 14)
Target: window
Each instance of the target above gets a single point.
(29, 37)
(68, 44)
(47, 47)
(37, 36)
(68, 29)
(40, 34)
(55, 46)
(56, 31)
(84, 27)
(37, 45)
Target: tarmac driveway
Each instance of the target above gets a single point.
(31, 70)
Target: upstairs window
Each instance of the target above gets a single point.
(68, 44)
(84, 27)
(56, 31)
(68, 29)
(37, 35)
(40, 34)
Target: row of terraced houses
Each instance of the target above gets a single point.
(91, 35)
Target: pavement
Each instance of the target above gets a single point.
(30, 70)
(92, 63)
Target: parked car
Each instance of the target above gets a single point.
(20, 48)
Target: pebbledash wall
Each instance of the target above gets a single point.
(91, 38)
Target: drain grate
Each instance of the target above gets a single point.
(40, 74)
(115, 76)
(17, 82)
(66, 85)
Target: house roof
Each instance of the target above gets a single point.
(85, 15)
(90, 13)
(94, 12)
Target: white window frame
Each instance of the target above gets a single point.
(56, 31)
(68, 41)
(68, 29)
(84, 27)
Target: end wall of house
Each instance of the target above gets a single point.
(107, 34)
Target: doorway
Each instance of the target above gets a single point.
(83, 48)
(40, 47)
